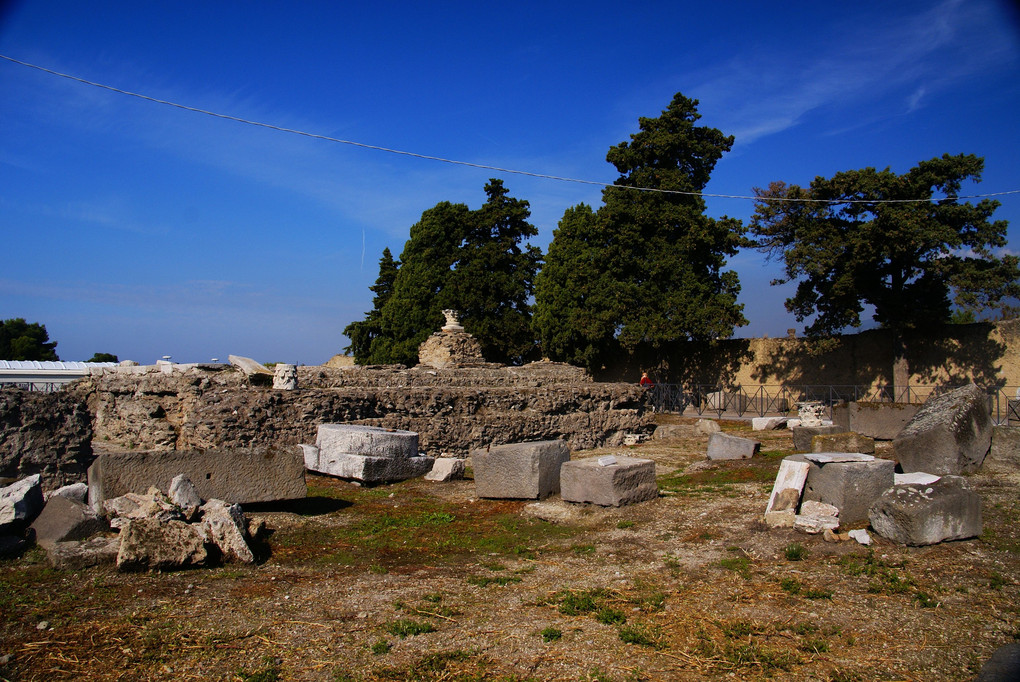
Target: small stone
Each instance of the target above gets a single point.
(42, 625)
(861, 536)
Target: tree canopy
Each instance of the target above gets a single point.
(909, 259)
(103, 357)
(470, 261)
(20, 340)
(646, 270)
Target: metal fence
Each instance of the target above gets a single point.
(781, 400)
(40, 386)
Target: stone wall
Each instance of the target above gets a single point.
(986, 353)
(453, 410)
(44, 433)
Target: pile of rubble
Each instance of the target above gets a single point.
(838, 484)
(150, 531)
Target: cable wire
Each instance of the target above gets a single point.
(469, 164)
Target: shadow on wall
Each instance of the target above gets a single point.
(687, 363)
(986, 353)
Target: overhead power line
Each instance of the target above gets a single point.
(469, 164)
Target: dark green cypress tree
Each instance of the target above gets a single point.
(362, 332)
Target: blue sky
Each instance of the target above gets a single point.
(138, 229)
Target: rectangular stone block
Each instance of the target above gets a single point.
(524, 471)
(851, 487)
(802, 435)
(725, 446)
(628, 481)
(768, 423)
(791, 476)
(235, 476)
(878, 420)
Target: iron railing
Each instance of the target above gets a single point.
(781, 400)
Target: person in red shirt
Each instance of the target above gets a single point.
(646, 382)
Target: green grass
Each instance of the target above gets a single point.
(609, 616)
(737, 564)
(405, 627)
(381, 647)
(622, 525)
(269, 672)
(550, 634)
(642, 635)
(795, 552)
(716, 481)
(485, 581)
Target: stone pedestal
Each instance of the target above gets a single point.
(627, 481)
(950, 434)
(850, 486)
(525, 471)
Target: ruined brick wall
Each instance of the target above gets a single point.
(453, 410)
(44, 433)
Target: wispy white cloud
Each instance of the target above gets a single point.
(916, 56)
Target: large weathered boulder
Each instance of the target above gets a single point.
(526, 471)
(224, 525)
(151, 544)
(64, 519)
(232, 475)
(20, 503)
(950, 434)
(596, 480)
(926, 514)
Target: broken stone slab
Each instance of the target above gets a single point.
(64, 519)
(224, 525)
(881, 421)
(526, 471)
(722, 446)
(182, 492)
(768, 423)
(816, 508)
(151, 505)
(919, 477)
(95, 551)
(802, 435)
(950, 434)
(843, 442)
(446, 469)
(149, 544)
(626, 481)
(20, 503)
(920, 514)
(76, 491)
(851, 486)
(233, 475)
(248, 366)
(786, 492)
(812, 525)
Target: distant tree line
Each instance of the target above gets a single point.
(646, 270)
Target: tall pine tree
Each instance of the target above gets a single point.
(652, 261)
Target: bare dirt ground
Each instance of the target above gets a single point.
(420, 581)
